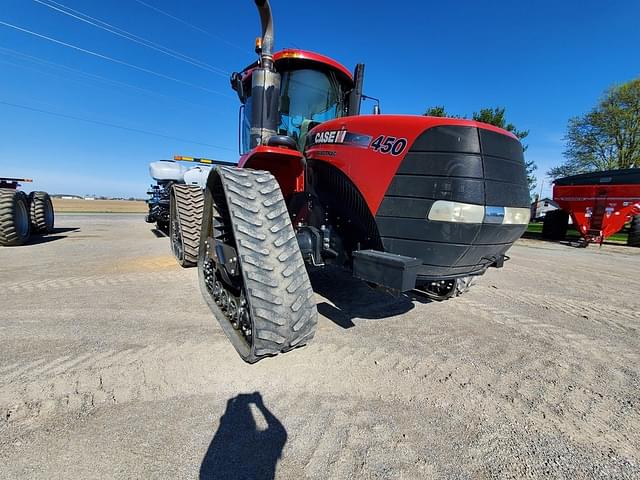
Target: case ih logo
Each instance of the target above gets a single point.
(382, 144)
(339, 136)
(330, 136)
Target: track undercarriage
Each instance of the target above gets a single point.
(445, 289)
(252, 274)
(185, 221)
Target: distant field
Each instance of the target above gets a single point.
(98, 206)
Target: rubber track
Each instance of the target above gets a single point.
(276, 282)
(189, 201)
(8, 233)
(37, 206)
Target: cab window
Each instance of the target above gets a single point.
(308, 97)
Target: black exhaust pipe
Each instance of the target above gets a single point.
(265, 83)
(266, 19)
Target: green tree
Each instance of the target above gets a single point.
(494, 116)
(607, 137)
(439, 111)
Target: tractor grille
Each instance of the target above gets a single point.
(461, 164)
(347, 208)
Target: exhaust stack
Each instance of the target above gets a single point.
(266, 19)
(265, 83)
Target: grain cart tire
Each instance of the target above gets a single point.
(185, 223)
(41, 210)
(15, 227)
(259, 290)
(634, 232)
(555, 225)
(441, 290)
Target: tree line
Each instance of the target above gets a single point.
(607, 137)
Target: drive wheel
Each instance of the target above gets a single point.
(42, 215)
(555, 225)
(251, 270)
(634, 232)
(185, 220)
(15, 227)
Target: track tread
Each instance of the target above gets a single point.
(189, 203)
(276, 281)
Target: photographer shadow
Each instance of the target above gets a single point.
(241, 449)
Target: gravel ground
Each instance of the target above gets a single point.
(111, 366)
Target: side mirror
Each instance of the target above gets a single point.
(376, 106)
(237, 85)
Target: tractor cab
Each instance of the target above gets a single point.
(312, 89)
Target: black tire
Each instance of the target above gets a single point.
(15, 226)
(556, 223)
(41, 210)
(250, 211)
(633, 240)
(185, 222)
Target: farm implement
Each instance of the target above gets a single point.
(599, 203)
(22, 215)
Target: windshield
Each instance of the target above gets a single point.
(308, 97)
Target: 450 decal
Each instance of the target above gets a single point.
(386, 144)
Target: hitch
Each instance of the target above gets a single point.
(394, 272)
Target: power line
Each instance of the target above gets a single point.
(112, 125)
(194, 27)
(83, 17)
(109, 81)
(111, 59)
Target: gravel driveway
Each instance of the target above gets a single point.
(111, 366)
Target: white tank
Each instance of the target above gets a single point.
(167, 170)
(197, 176)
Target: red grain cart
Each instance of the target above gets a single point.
(600, 204)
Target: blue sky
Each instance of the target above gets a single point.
(545, 61)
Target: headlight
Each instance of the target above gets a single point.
(446, 211)
(516, 216)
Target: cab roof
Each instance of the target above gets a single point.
(296, 56)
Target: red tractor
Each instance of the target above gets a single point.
(22, 214)
(405, 202)
(599, 203)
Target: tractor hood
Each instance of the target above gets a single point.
(484, 155)
(451, 192)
